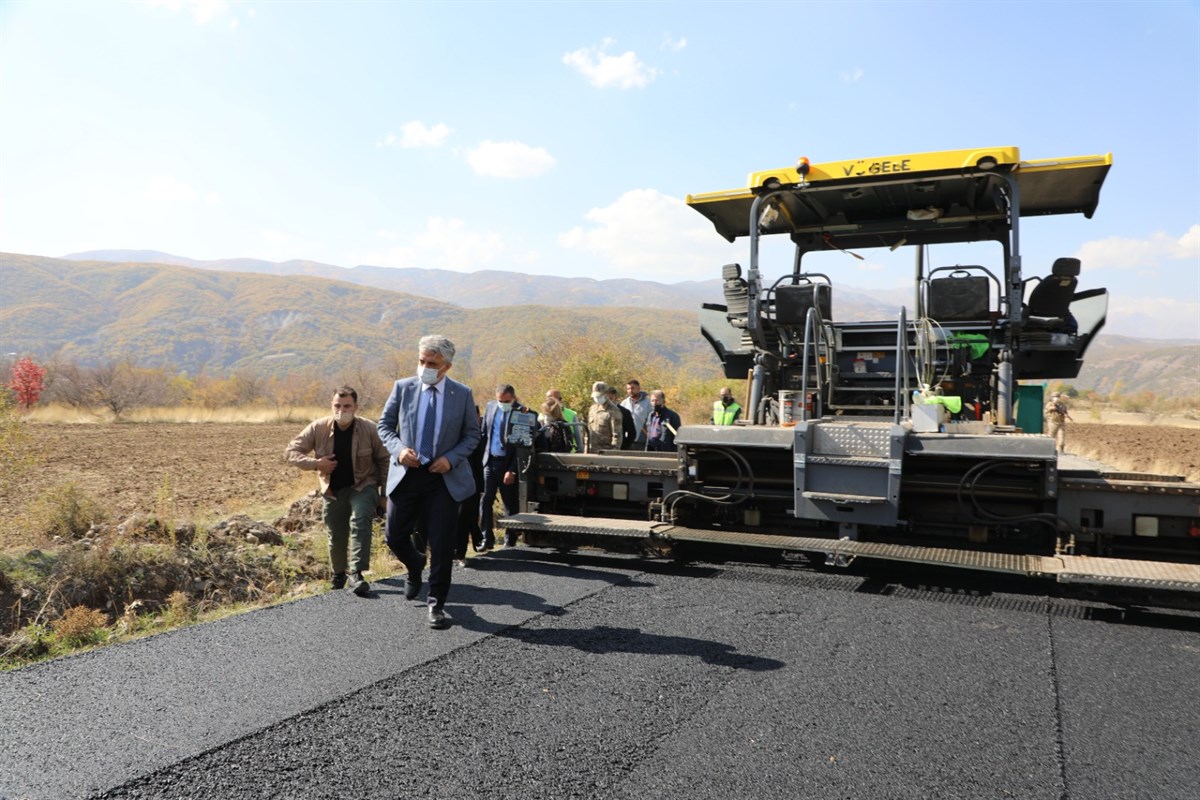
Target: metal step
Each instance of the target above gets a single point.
(844, 499)
(848, 461)
(888, 407)
(1113, 572)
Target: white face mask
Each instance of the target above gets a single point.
(505, 407)
(428, 375)
(599, 398)
(343, 417)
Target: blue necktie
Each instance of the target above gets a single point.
(428, 432)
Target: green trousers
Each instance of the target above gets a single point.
(348, 522)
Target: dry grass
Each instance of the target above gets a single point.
(57, 413)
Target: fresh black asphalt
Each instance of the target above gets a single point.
(581, 677)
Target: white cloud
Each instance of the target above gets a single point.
(852, 76)
(1188, 245)
(415, 134)
(1117, 252)
(649, 235)
(444, 244)
(509, 160)
(673, 45)
(602, 70)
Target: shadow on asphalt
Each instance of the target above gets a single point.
(602, 639)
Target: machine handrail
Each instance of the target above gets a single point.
(813, 330)
(901, 409)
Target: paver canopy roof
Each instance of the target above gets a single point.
(946, 196)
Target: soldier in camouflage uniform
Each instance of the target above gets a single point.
(1056, 415)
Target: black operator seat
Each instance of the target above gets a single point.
(737, 295)
(1049, 303)
(961, 297)
(792, 302)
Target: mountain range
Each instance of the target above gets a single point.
(169, 311)
(495, 287)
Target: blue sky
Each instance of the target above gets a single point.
(561, 138)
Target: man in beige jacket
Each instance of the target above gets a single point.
(352, 465)
(604, 421)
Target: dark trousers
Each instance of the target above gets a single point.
(422, 501)
(468, 526)
(493, 480)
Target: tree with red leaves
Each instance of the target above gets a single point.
(27, 379)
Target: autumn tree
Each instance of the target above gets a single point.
(27, 380)
(120, 387)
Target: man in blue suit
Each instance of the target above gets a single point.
(429, 426)
(499, 464)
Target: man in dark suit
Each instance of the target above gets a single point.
(429, 426)
(499, 463)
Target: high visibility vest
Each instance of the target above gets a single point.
(569, 418)
(725, 415)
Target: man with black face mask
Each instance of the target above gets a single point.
(725, 411)
(499, 463)
(352, 465)
(662, 424)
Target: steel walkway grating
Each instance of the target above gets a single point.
(1065, 569)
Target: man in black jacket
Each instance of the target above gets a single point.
(662, 423)
(628, 432)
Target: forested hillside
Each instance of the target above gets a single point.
(194, 320)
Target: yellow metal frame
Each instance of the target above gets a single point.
(909, 165)
(891, 166)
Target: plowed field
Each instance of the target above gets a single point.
(1139, 448)
(209, 471)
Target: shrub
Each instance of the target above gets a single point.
(80, 625)
(16, 456)
(64, 510)
(179, 608)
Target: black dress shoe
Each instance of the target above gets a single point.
(358, 584)
(487, 544)
(339, 581)
(412, 586)
(438, 619)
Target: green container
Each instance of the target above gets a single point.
(1029, 408)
